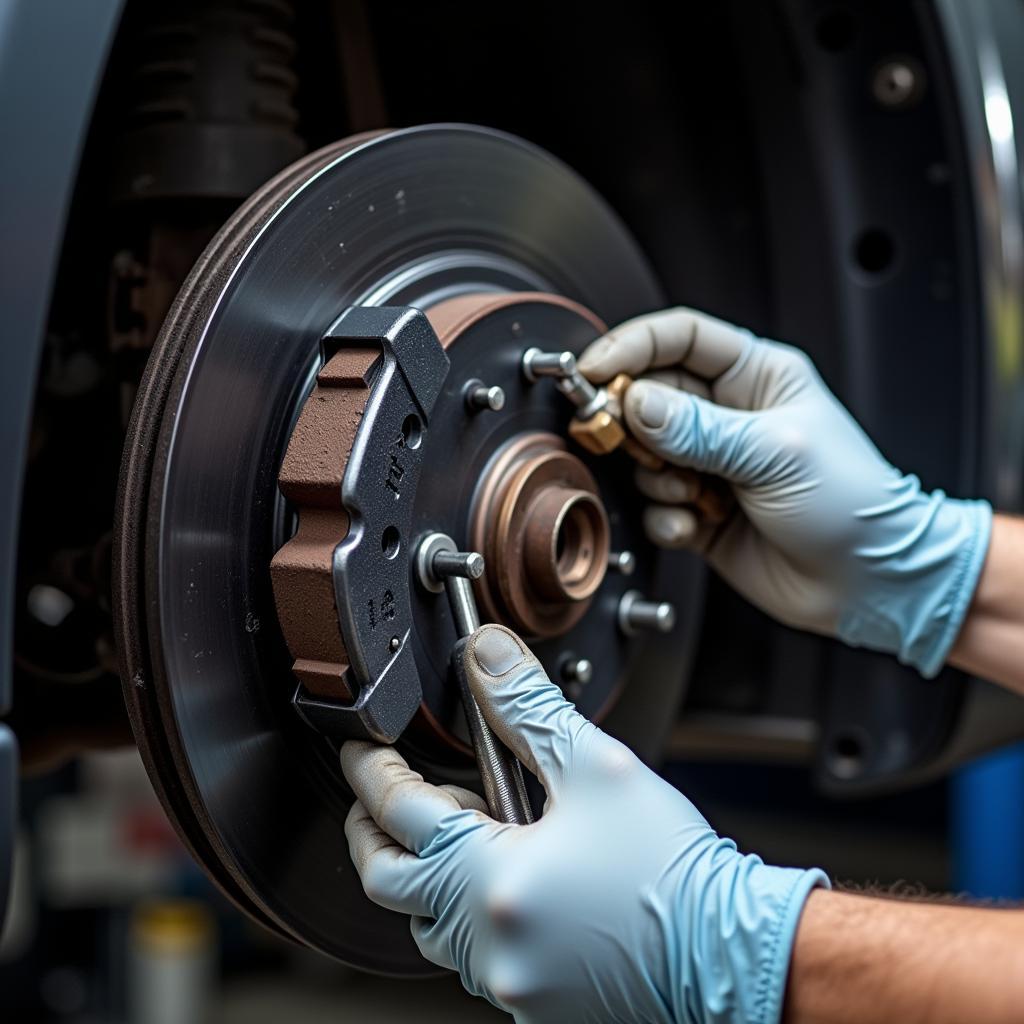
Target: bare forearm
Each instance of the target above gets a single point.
(991, 642)
(859, 959)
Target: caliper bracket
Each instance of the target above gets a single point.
(370, 566)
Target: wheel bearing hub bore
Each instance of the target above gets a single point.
(543, 529)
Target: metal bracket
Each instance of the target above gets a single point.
(371, 566)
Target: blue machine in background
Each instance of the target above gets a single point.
(987, 819)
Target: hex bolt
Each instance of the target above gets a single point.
(623, 562)
(479, 396)
(578, 670)
(636, 614)
(537, 364)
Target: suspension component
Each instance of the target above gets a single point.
(212, 111)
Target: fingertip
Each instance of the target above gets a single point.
(520, 703)
(466, 799)
(649, 405)
(626, 349)
(352, 752)
(672, 486)
(671, 527)
(595, 362)
(375, 771)
(356, 813)
(496, 650)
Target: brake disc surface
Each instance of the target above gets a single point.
(411, 217)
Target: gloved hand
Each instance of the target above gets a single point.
(827, 536)
(619, 904)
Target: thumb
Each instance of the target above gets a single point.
(524, 708)
(690, 431)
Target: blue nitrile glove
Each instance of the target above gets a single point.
(827, 536)
(619, 904)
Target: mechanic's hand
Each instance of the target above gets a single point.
(619, 904)
(826, 535)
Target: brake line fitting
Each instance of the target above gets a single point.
(598, 424)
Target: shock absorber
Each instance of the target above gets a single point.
(210, 116)
(211, 110)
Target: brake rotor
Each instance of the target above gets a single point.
(416, 218)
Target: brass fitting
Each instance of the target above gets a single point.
(602, 432)
(599, 433)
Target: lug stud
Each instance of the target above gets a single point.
(480, 397)
(623, 562)
(537, 363)
(636, 614)
(578, 670)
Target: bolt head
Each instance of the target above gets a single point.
(395, 645)
(636, 614)
(566, 363)
(897, 83)
(665, 617)
(479, 396)
(495, 398)
(577, 672)
(623, 562)
(583, 670)
(536, 363)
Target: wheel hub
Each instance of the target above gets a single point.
(541, 522)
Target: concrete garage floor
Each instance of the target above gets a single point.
(339, 997)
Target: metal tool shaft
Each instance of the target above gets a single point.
(464, 610)
(500, 771)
